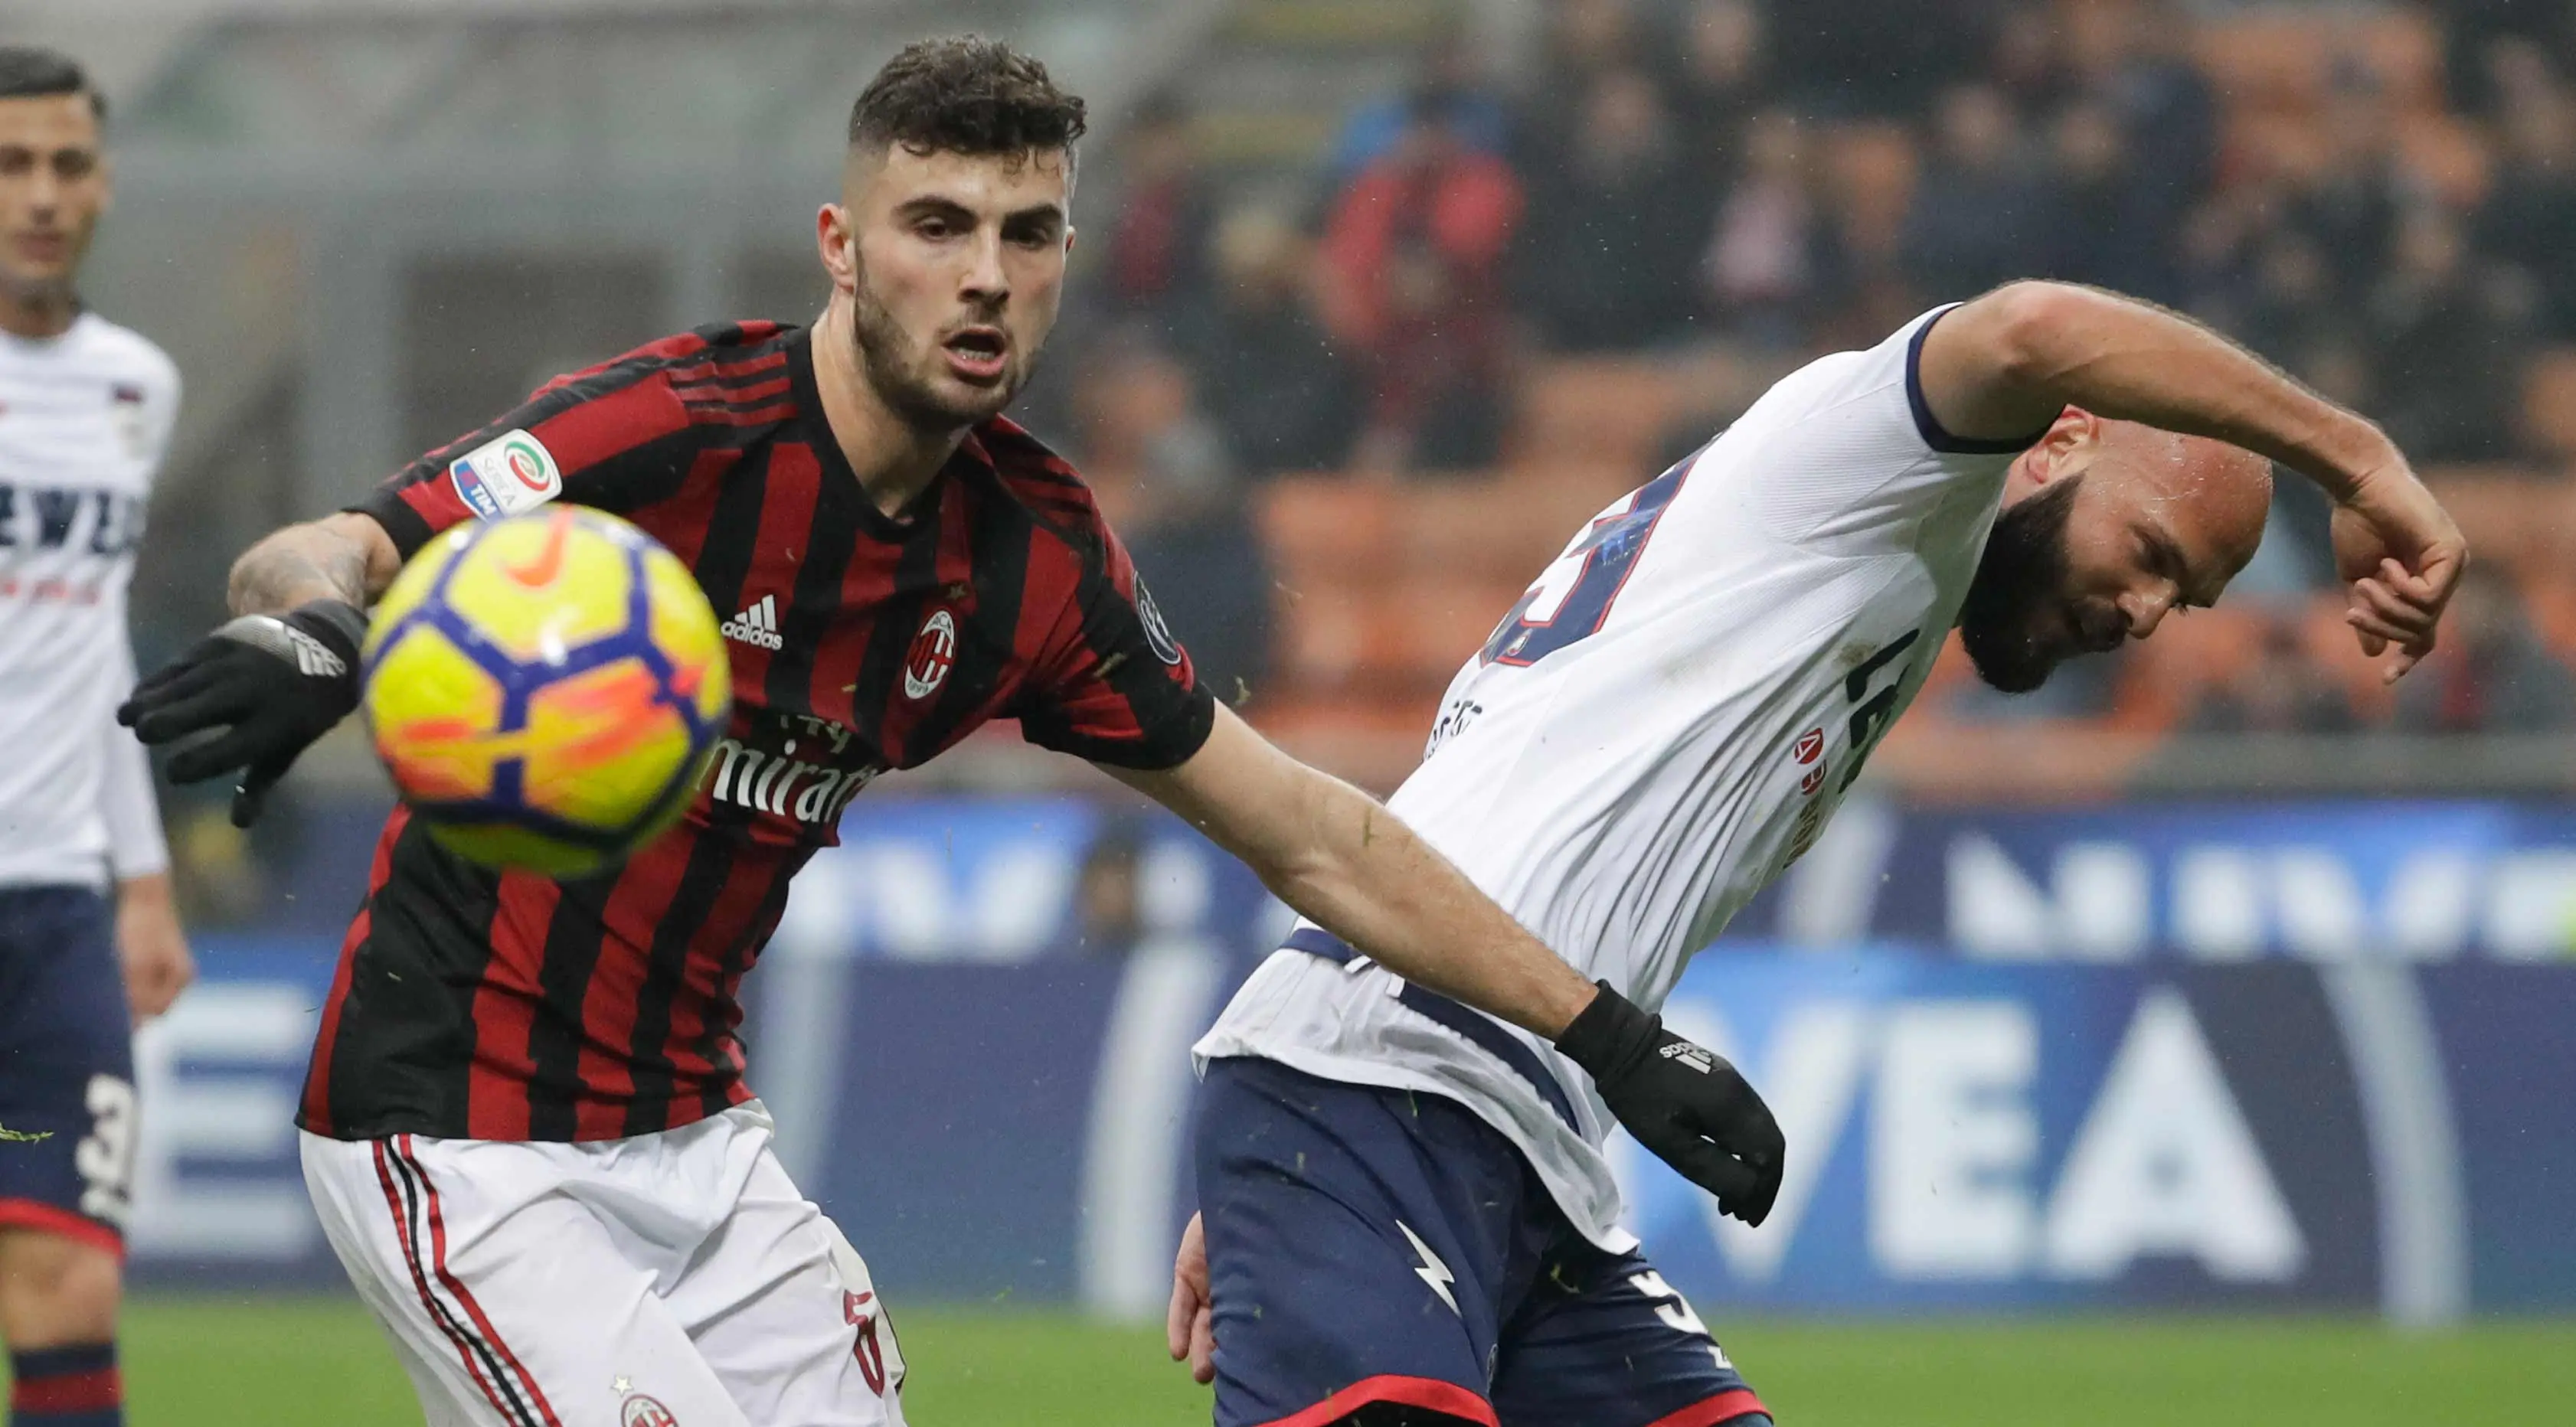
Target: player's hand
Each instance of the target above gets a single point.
(150, 945)
(272, 683)
(1189, 1328)
(2402, 555)
(1681, 1101)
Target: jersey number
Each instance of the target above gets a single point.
(1573, 597)
(1870, 711)
(105, 1157)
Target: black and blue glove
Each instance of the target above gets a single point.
(272, 683)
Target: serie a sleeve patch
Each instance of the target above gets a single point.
(509, 475)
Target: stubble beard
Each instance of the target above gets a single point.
(58, 291)
(885, 355)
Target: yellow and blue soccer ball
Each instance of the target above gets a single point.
(545, 689)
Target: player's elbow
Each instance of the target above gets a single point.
(2026, 326)
(1315, 855)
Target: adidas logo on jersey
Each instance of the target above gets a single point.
(757, 625)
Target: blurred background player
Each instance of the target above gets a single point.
(86, 408)
(526, 1128)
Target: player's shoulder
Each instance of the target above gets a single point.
(1030, 474)
(724, 346)
(1877, 384)
(711, 365)
(120, 354)
(1858, 371)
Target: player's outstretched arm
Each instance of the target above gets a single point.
(283, 671)
(2005, 364)
(1340, 858)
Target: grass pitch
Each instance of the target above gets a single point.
(319, 1362)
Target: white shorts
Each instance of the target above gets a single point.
(675, 1278)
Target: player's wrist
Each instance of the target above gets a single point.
(1608, 1035)
(338, 622)
(319, 639)
(2354, 457)
(145, 889)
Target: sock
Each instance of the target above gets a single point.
(72, 1386)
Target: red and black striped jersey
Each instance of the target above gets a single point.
(478, 1004)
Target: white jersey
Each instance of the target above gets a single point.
(84, 419)
(1661, 726)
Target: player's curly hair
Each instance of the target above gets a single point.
(965, 94)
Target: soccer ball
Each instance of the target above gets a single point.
(545, 689)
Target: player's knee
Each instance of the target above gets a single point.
(55, 1290)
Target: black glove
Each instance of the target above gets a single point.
(272, 683)
(1687, 1105)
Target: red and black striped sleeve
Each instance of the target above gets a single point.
(1112, 685)
(618, 436)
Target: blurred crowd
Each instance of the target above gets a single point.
(2382, 200)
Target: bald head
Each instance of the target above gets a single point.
(2108, 526)
(2215, 496)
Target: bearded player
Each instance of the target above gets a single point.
(526, 1128)
(86, 408)
(1406, 1216)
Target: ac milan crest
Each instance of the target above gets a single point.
(933, 653)
(641, 1411)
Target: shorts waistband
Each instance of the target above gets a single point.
(1477, 1027)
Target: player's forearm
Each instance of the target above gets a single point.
(149, 890)
(1341, 859)
(2117, 357)
(319, 560)
(1361, 874)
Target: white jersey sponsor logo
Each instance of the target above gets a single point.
(775, 780)
(1658, 727)
(757, 626)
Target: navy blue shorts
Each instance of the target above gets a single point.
(1376, 1246)
(66, 1067)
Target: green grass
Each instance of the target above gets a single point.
(310, 1362)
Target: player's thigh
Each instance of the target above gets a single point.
(1353, 1264)
(785, 1314)
(66, 1068)
(1604, 1341)
(510, 1304)
(55, 1289)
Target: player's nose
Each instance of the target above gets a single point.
(986, 280)
(2146, 609)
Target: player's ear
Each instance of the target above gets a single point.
(833, 235)
(2067, 448)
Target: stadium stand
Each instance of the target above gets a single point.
(2327, 182)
